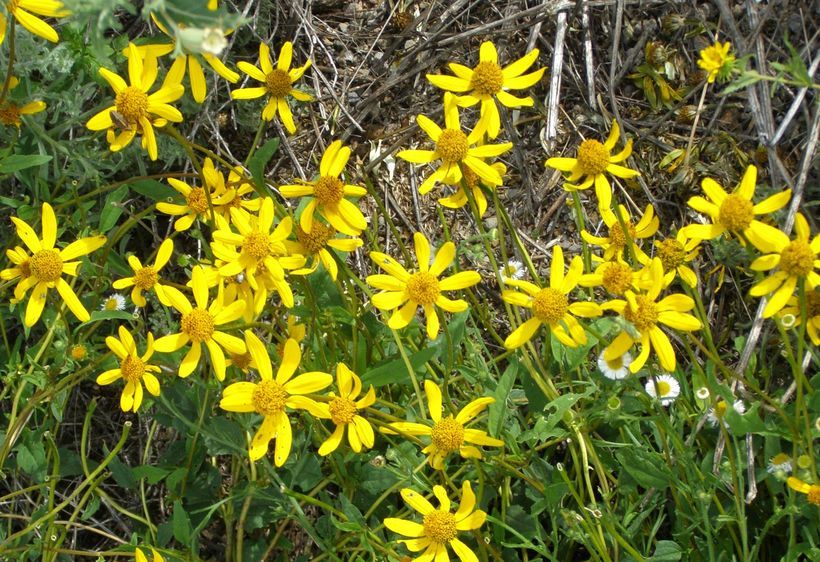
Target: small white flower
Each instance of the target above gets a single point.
(781, 462)
(788, 320)
(115, 301)
(716, 414)
(213, 41)
(702, 393)
(617, 369)
(513, 269)
(665, 388)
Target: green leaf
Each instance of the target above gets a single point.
(546, 427)
(122, 474)
(223, 436)
(154, 190)
(259, 162)
(395, 371)
(181, 524)
(646, 468)
(498, 409)
(666, 551)
(152, 474)
(31, 458)
(112, 210)
(17, 162)
(99, 315)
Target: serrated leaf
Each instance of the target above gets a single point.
(395, 371)
(223, 436)
(498, 409)
(666, 551)
(648, 469)
(259, 162)
(152, 474)
(112, 210)
(154, 190)
(17, 162)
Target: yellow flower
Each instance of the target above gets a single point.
(812, 491)
(198, 326)
(269, 397)
(674, 254)
(147, 277)
(475, 184)
(448, 435)
(550, 305)
(736, 213)
(256, 251)
(404, 292)
(616, 276)
(231, 194)
(21, 271)
(198, 202)
(155, 556)
(797, 260)
(792, 313)
(439, 527)
(715, 58)
(23, 11)
(46, 266)
(616, 241)
(78, 352)
(592, 161)
(328, 194)
(10, 112)
(317, 243)
(644, 316)
(133, 369)
(344, 410)
(278, 84)
(455, 148)
(136, 111)
(488, 81)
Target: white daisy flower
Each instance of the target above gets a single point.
(781, 462)
(115, 301)
(617, 369)
(702, 393)
(716, 414)
(513, 269)
(664, 387)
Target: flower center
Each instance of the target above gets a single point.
(25, 268)
(736, 213)
(241, 360)
(616, 234)
(9, 114)
(111, 303)
(813, 303)
(423, 288)
(198, 325)
(720, 408)
(328, 190)
(617, 278)
(448, 434)
(814, 494)
(145, 278)
(440, 526)
(278, 83)
(315, 240)
(257, 245)
(269, 397)
(132, 103)
(550, 305)
(46, 265)
(645, 317)
(593, 157)
(197, 201)
(342, 410)
(487, 78)
(663, 388)
(132, 369)
(78, 352)
(452, 146)
(797, 259)
(616, 363)
(671, 253)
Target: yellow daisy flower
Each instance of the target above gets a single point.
(198, 326)
(21, 271)
(137, 111)
(232, 194)
(147, 278)
(439, 527)
(134, 369)
(256, 251)
(448, 435)
(196, 199)
(714, 59)
(812, 491)
(271, 396)
(278, 84)
(455, 148)
(550, 305)
(317, 244)
(736, 213)
(614, 244)
(474, 183)
(645, 315)
(616, 276)
(674, 254)
(404, 292)
(47, 265)
(592, 161)
(488, 82)
(10, 112)
(24, 10)
(790, 315)
(328, 194)
(235, 287)
(155, 556)
(344, 410)
(796, 259)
